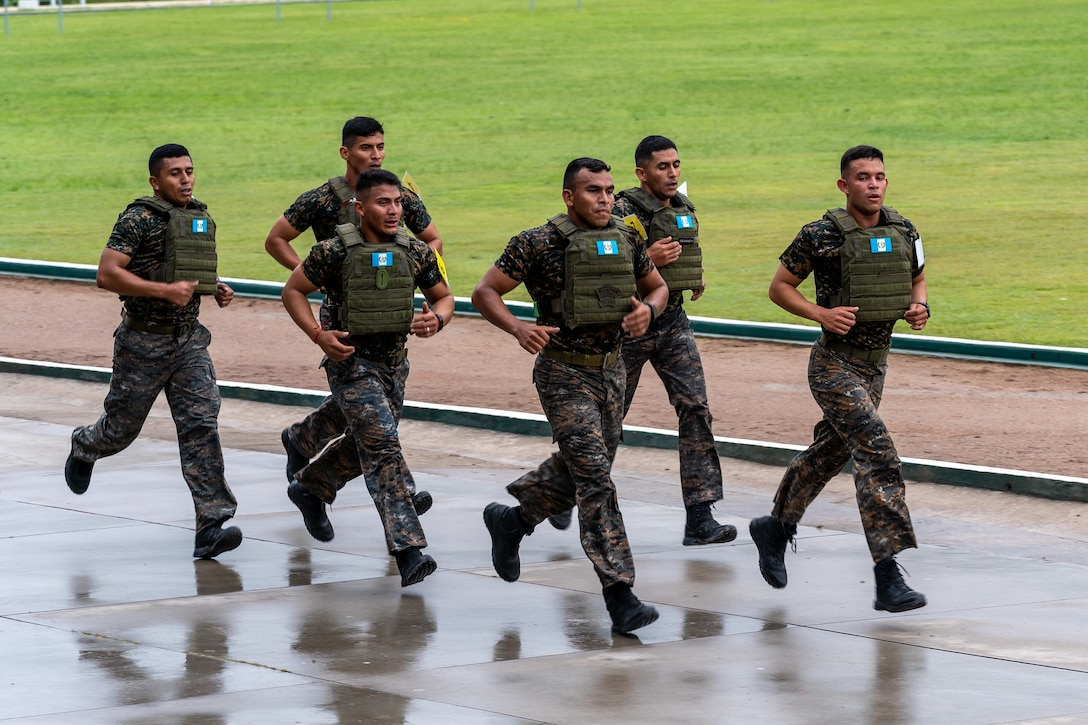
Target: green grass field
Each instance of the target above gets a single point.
(979, 106)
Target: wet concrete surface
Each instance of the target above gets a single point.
(106, 618)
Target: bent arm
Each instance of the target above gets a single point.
(430, 237)
(113, 275)
(487, 299)
(297, 304)
(278, 243)
(784, 293)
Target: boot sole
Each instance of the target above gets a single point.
(774, 581)
(419, 572)
(727, 534)
(231, 540)
(647, 617)
(882, 607)
(423, 502)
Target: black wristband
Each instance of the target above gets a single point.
(653, 310)
(926, 305)
(441, 322)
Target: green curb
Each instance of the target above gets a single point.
(1003, 352)
(1061, 488)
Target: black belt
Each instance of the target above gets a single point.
(133, 323)
(845, 348)
(390, 360)
(581, 359)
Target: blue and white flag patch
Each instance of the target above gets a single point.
(200, 226)
(880, 245)
(607, 248)
(381, 259)
(684, 221)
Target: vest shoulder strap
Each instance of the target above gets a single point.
(343, 192)
(349, 234)
(164, 207)
(565, 226)
(642, 199)
(842, 220)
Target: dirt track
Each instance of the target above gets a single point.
(1006, 416)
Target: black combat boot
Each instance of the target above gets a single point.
(77, 473)
(627, 612)
(313, 511)
(892, 593)
(507, 529)
(561, 521)
(770, 537)
(414, 565)
(701, 528)
(211, 541)
(422, 501)
(296, 459)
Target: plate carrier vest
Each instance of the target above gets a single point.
(677, 221)
(190, 243)
(876, 267)
(379, 289)
(599, 272)
(346, 196)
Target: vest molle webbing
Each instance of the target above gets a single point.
(379, 288)
(346, 196)
(190, 243)
(599, 271)
(876, 267)
(677, 221)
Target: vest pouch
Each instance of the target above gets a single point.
(599, 271)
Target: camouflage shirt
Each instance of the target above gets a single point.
(816, 249)
(320, 208)
(625, 207)
(324, 268)
(140, 235)
(537, 258)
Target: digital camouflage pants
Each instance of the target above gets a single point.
(145, 364)
(672, 352)
(371, 397)
(585, 409)
(848, 392)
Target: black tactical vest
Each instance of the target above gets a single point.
(677, 221)
(599, 272)
(190, 242)
(876, 266)
(379, 289)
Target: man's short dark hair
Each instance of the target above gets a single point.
(858, 152)
(166, 151)
(592, 165)
(359, 126)
(374, 177)
(648, 146)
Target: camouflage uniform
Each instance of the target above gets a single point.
(146, 363)
(368, 388)
(669, 346)
(320, 209)
(848, 391)
(584, 406)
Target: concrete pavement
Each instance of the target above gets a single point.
(106, 618)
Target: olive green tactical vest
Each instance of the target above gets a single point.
(876, 267)
(599, 271)
(379, 289)
(677, 221)
(190, 243)
(346, 196)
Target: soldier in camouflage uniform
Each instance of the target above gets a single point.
(160, 345)
(367, 370)
(578, 374)
(363, 147)
(846, 250)
(669, 345)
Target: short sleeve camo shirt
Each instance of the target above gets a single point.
(140, 235)
(320, 209)
(815, 249)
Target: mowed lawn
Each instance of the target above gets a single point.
(979, 105)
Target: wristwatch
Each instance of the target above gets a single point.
(926, 305)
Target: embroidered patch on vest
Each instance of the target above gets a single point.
(880, 245)
(683, 221)
(607, 248)
(200, 226)
(607, 295)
